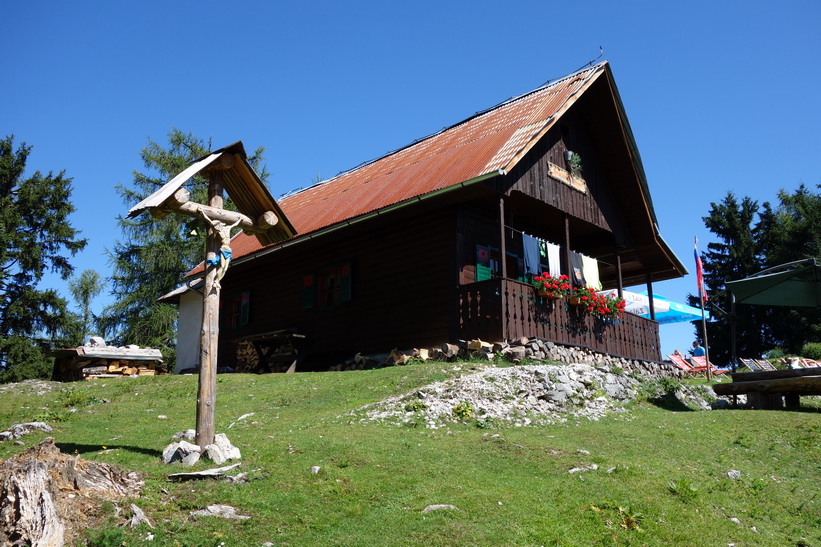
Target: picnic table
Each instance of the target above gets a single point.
(772, 389)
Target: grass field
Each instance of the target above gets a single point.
(661, 476)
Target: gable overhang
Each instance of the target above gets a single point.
(241, 183)
(669, 266)
(647, 252)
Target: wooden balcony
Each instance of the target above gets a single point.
(503, 309)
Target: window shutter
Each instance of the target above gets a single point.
(482, 263)
(308, 292)
(244, 309)
(345, 283)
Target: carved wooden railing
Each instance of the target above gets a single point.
(502, 309)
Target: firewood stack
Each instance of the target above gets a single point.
(122, 367)
(98, 360)
(247, 358)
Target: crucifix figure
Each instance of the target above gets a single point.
(222, 260)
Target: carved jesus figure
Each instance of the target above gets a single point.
(223, 230)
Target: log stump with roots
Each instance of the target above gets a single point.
(47, 497)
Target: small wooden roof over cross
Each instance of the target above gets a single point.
(264, 219)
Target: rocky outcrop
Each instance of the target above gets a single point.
(526, 395)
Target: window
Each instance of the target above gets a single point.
(488, 264)
(234, 310)
(327, 287)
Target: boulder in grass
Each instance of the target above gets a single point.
(178, 451)
(221, 450)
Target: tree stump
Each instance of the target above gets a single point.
(46, 496)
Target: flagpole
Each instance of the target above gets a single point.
(706, 345)
(702, 296)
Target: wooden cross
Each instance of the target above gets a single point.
(224, 165)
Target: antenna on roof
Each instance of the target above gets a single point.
(554, 80)
(601, 54)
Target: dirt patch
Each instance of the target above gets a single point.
(50, 498)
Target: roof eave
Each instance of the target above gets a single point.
(379, 212)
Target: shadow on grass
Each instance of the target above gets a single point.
(804, 408)
(72, 448)
(668, 401)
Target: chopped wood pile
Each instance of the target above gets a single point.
(247, 357)
(117, 368)
(98, 360)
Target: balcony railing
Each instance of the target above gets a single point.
(503, 309)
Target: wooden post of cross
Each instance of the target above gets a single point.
(209, 333)
(258, 214)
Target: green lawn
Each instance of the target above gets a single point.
(661, 476)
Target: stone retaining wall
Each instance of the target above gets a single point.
(532, 350)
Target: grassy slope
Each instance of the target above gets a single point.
(669, 485)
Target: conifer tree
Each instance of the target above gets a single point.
(35, 237)
(751, 239)
(735, 255)
(155, 254)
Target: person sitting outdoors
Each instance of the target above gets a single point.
(697, 350)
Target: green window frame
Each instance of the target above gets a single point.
(326, 287)
(235, 310)
(488, 264)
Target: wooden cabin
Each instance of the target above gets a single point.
(425, 245)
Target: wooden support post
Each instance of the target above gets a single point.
(567, 261)
(503, 265)
(209, 334)
(649, 279)
(502, 242)
(619, 280)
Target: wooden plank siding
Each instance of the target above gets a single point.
(402, 287)
(484, 305)
(413, 269)
(530, 177)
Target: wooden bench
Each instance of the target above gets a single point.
(771, 389)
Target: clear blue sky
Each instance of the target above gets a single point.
(721, 96)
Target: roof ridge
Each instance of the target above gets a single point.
(548, 84)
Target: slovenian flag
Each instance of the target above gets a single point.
(702, 292)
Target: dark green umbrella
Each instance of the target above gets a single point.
(796, 284)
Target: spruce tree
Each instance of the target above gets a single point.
(154, 254)
(35, 237)
(793, 232)
(735, 255)
(751, 239)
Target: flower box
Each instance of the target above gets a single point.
(552, 287)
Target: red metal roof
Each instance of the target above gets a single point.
(488, 142)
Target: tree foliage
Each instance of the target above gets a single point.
(750, 239)
(84, 289)
(35, 238)
(154, 254)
